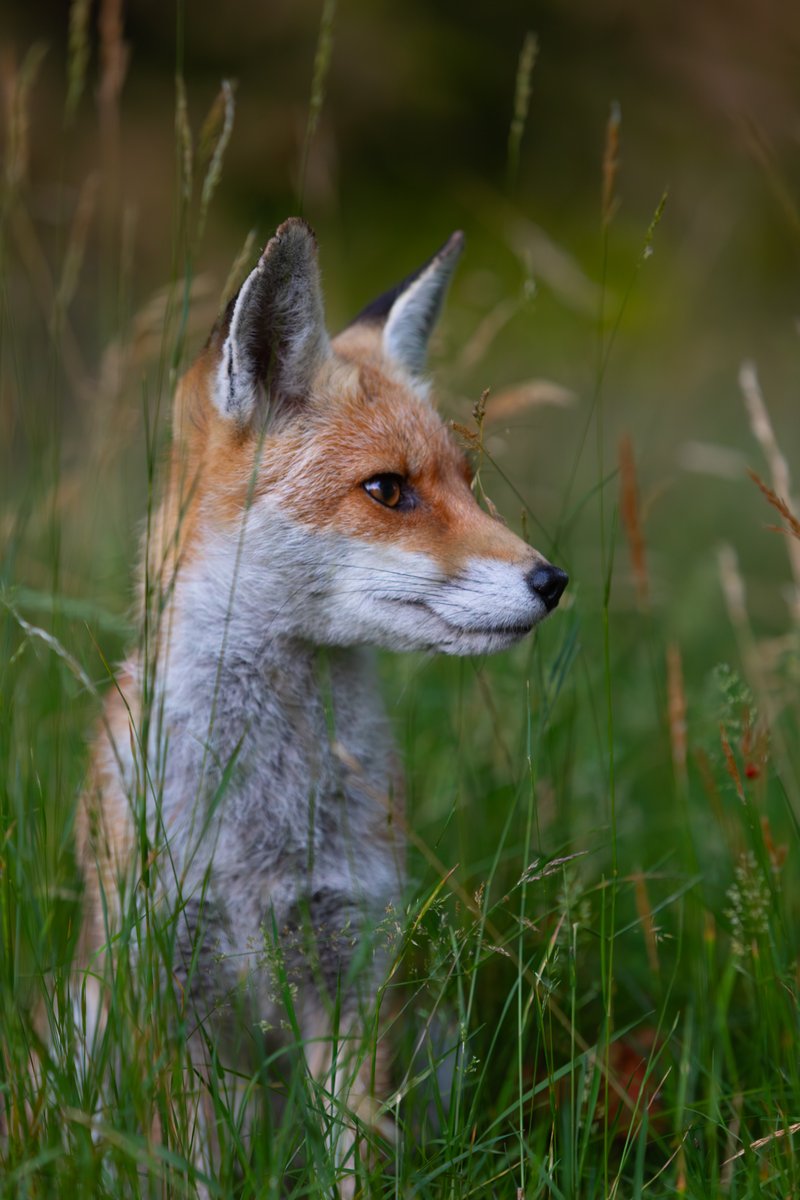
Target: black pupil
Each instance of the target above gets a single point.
(385, 488)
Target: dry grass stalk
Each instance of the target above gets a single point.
(48, 639)
(760, 1143)
(631, 520)
(708, 778)
(540, 868)
(214, 138)
(680, 1182)
(763, 152)
(709, 458)
(37, 269)
(322, 62)
(183, 135)
(649, 237)
(479, 409)
(764, 434)
(732, 586)
(76, 246)
(753, 654)
(548, 261)
(114, 56)
(238, 271)
(127, 359)
(492, 324)
(762, 429)
(676, 710)
(726, 1176)
(611, 164)
(522, 101)
(469, 435)
(537, 252)
(777, 854)
(754, 746)
(79, 13)
(645, 913)
(792, 526)
(17, 84)
(533, 393)
(731, 765)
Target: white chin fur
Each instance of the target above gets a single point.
(404, 601)
(293, 581)
(432, 633)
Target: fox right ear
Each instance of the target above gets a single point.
(275, 338)
(410, 310)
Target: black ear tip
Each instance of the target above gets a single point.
(443, 263)
(451, 250)
(296, 227)
(294, 232)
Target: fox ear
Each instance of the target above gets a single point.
(275, 336)
(409, 311)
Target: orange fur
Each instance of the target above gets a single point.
(104, 830)
(363, 421)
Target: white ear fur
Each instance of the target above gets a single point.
(413, 314)
(276, 339)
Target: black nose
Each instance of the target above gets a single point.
(548, 583)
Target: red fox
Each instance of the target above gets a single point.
(316, 506)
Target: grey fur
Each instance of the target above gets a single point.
(263, 744)
(273, 798)
(276, 338)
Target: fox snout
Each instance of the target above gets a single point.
(547, 583)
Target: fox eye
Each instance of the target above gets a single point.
(386, 489)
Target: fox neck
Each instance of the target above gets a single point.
(270, 748)
(231, 669)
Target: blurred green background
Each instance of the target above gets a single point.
(588, 331)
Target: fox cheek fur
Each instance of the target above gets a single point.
(315, 498)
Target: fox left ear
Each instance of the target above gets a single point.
(275, 337)
(410, 310)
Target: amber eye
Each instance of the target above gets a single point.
(386, 489)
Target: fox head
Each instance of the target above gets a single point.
(318, 490)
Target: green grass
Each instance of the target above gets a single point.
(601, 932)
